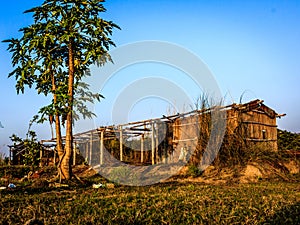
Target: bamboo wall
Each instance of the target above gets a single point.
(261, 129)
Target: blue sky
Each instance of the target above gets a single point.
(250, 46)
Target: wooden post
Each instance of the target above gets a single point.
(87, 147)
(41, 156)
(91, 149)
(54, 157)
(166, 151)
(152, 144)
(121, 143)
(101, 146)
(74, 154)
(157, 144)
(165, 146)
(142, 148)
(9, 162)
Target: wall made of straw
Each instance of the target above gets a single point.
(260, 128)
(185, 135)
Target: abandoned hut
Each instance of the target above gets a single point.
(162, 140)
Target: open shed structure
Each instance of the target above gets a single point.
(46, 154)
(162, 140)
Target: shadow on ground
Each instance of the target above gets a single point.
(287, 215)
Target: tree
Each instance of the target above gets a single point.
(38, 62)
(66, 38)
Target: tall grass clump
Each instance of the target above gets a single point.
(236, 150)
(4, 160)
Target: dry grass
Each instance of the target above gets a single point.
(168, 203)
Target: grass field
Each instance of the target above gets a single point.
(166, 203)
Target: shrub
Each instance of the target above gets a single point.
(194, 171)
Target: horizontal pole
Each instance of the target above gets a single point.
(259, 123)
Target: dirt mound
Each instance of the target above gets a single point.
(293, 167)
(251, 173)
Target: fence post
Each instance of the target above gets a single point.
(165, 145)
(74, 154)
(41, 156)
(101, 147)
(10, 155)
(121, 143)
(152, 144)
(91, 149)
(54, 157)
(87, 147)
(157, 144)
(142, 148)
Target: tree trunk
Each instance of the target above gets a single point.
(59, 145)
(65, 165)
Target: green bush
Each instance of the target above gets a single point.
(288, 140)
(31, 148)
(194, 171)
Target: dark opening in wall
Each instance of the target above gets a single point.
(264, 134)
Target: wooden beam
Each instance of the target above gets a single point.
(74, 153)
(139, 129)
(101, 147)
(259, 123)
(140, 125)
(259, 140)
(165, 153)
(165, 160)
(41, 157)
(142, 148)
(157, 144)
(54, 158)
(91, 149)
(182, 140)
(280, 115)
(121, 143)
(152, 145)
(9, 162)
